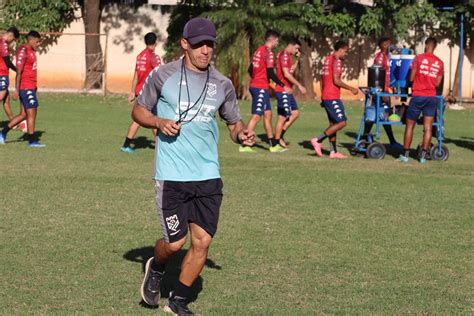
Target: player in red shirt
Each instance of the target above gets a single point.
(287, 107)
(147, 60)
(381, 58)
(261, 71)
(426, 73)
(25, 88)
(11, 35)
(331, 85)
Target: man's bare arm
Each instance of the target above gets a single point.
(240, 134)
(147, 119)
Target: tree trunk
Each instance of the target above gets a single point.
(91, 13)
(305, 73)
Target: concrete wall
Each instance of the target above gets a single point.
(63, 65)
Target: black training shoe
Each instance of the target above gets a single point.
(177, 306)
(150, 289)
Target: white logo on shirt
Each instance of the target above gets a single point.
(211, 89)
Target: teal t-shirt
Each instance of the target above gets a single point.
(192, 155)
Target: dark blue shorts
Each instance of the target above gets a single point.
(260, 101)
(419, 105)
(286, 103)
(335, 110)
(4, 83)
(28, 99)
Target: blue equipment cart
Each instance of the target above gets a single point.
(372, 149)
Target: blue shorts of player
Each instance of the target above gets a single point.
(260, 101)
(422, 105)
(4, 83)
(335, 110)
(286, 103)
(384, 111)
(28, 99)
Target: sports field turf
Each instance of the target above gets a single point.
(298, 234)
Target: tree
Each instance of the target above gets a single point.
(91, 13)
(242, 25)
(424, 18)
(42, 16)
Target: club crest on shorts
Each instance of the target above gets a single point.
(172, 222)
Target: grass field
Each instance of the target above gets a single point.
(298, 234)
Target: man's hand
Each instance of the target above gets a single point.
(302, 89)
(131, 97)
(15, 95)
(168, 127)
(354, 91)
(288, 89)
(246, 137)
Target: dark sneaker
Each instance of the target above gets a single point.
(150, 289)
(177, 306)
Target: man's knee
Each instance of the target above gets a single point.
(295, 114)
(202, 243)
(342, 124)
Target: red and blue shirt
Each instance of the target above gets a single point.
(4, 52)
(262, 59)
(428, 68)
(284, 60)
(26, 61)
(147, 60)
(332, 66)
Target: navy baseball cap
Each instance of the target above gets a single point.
(199, 30)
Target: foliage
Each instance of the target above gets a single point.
(44, 15)
(39, 15)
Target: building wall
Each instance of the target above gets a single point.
(63, 65)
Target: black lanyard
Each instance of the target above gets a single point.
(183, 115)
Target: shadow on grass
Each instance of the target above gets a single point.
(141, 255)
(3, 124)
(464, 142)
(24, 137)
(142, 142)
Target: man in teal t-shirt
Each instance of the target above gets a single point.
(188, 94)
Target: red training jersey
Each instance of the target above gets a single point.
(262, 59)
(26, 60)
(284, 60)
(382, 59)
(332, 66)
(428, 68)
(4, 52)
(146, 61)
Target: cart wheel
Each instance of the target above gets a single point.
(363, 143)
(375, 151)
(440, 155)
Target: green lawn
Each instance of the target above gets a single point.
(298, 234)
